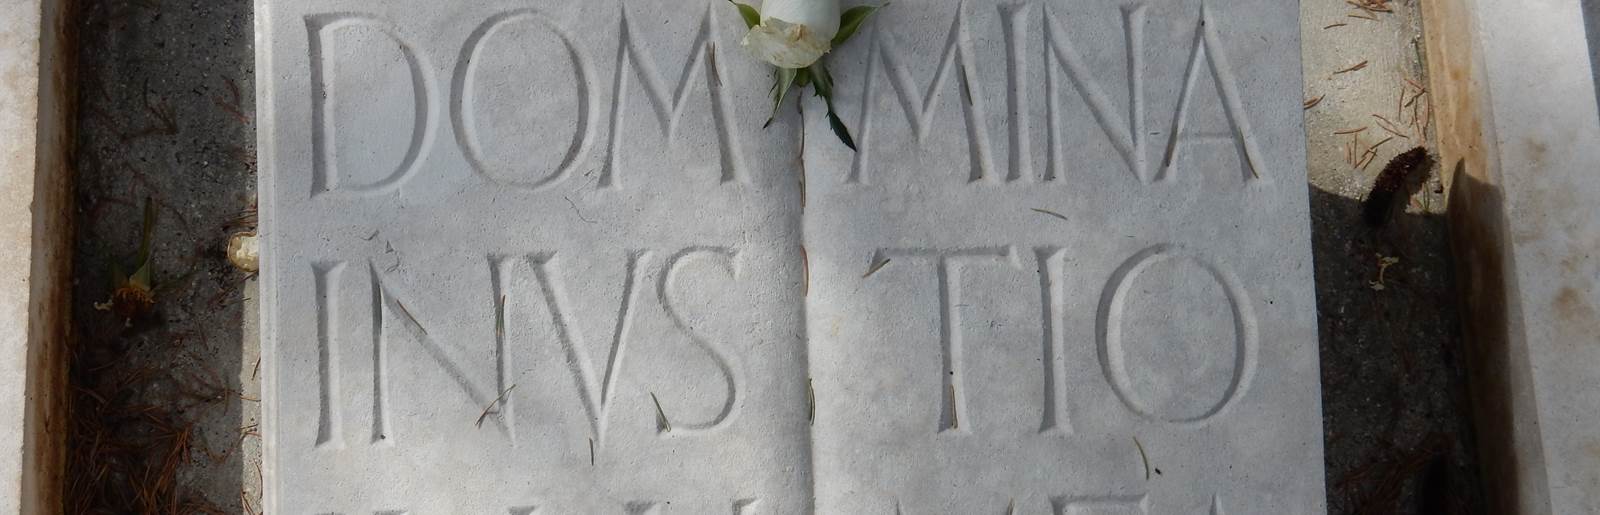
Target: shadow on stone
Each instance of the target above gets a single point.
(1396, 412)
(1591, 25)
(1478, 235)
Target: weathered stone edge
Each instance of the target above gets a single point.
(36, 116)
(1494, 102)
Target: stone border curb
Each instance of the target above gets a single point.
(36, 99)
(1519, 136)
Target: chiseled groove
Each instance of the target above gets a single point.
(461, 98)
(326, 275)
(1109, 321)
(919, 110)
(1060, 505)
(380, 397)
(384, 298)
(723, 361)
(668, 114)
(1055, 419)
(325, 177)
(499, 265)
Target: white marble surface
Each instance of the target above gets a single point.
(1023, 290)
(34, 232)
(1542, 131)
(19, 85)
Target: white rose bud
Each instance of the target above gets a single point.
(793, 33)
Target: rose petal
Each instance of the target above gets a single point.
(784, 44)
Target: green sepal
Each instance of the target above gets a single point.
(851, 21)
(751, 16)
(840, 130)
(782, 79)
(822, 83)
(141, 278)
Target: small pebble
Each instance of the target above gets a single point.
(244, 252)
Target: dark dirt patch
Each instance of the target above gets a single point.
(161, 423)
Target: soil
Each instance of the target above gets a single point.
(163, 405)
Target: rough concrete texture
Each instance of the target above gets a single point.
(1395, 412)
(1361, 345)
(671, 305)
(164, 407)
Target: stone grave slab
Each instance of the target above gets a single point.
(1524, 211)
(543, 258)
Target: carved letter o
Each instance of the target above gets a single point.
(1111, 319)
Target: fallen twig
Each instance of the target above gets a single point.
(487, 409)
(1356, 67)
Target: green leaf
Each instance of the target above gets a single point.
(782, 79)
(822, 82)
(141, 274)
(141, 277)
(751, 16)
(839, 129)
(851, 21)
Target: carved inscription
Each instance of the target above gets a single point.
(1059, 505)
(954, 84)
(956, 69)
(634, 68)
(387, 306)
(691, 337)
(725, 362)
(1094, 505)
(1208, 47)
(1056, 418)
(595, 380)
(1077, 505)
(740, 507)
(328, 426)
(464, 100)
(595, 391)
(947, 268)
(1065, 68)
(1126, 132)
(1114, 317)
(325, 172)
(388, 311)
(631, 57)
